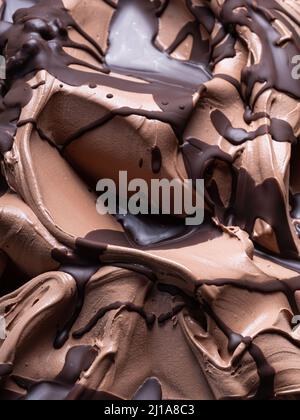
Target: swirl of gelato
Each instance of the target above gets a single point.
(131, 307)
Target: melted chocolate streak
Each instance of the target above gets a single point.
(78, 360)
(81, 275)
(275, 67)
(128, 306)
(265, 371)
(32, 44)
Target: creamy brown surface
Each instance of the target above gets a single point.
(195, 315)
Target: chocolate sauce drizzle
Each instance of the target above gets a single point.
(275, 66)
(128, 306)
(32, 43)
(150, 390)
(81, 271)
(280, 130)
(265, 371)
(5, 370)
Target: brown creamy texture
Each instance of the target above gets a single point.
(204, 314)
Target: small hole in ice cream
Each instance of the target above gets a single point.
(109, 96)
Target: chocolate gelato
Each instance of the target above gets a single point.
(144, 307)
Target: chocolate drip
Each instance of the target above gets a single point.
(9, 8)
(32, 44)
(265, 371)
(146, 231)
(39, 84)
(126, 47)
(200, 52)
(81, 275)
(275, 67)
(3, 186)
(149, 391)
(34, 36)
(111, 3)
(288, 287)
(40, 132)
(280, 130)
(170, 315)
(249, 116)
(266, 374)
(128, 306)
(198, 156)
(235, 83)
(79, 359)
(156, 160)
(176, 117)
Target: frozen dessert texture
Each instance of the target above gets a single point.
(129, 307)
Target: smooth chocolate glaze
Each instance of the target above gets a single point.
(275, 67)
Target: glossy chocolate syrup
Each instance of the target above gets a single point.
(221, 89)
